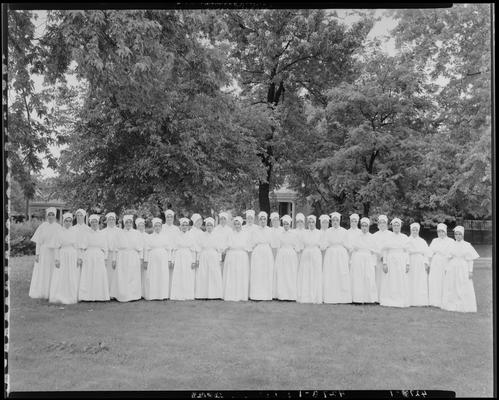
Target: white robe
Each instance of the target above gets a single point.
(94, 285)
(223, 233)
(261, 265)
(46, 239)
(363, 269)
(440, 254)
(143, 257)
(126, 284)
(381, 237)
(66, 278)
(236, 267)
(394, 283)
(171, 232)
(274, 245)
(336, 271)
(209, 283)
(156, 283)
(458, 290)
(184, 275)
(309, 289)
(417, 276)
(286, 265)
(111, 235)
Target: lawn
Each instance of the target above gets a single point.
(173, 345)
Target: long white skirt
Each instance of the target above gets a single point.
(209, 283)
(236, 275)
(261, 273)
(110, 272)
(458, 290)
(336, 276)
(39, 287)
(363, 277)
(378, 273)
(286, 273)
(418, 281)
(156, 284)
(274, 277)
(183, 276)
(436, 279)
(126, 285)
(309, 288)
(65, 279)
(394, 283)
(93, 280)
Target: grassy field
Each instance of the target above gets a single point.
(172, 345)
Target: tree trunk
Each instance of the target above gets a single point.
(27, 209)
(366, 205)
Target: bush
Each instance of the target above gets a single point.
(20, 238)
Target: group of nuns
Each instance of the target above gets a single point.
(80, 262)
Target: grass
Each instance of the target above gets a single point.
(216, 345)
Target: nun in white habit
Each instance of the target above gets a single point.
(286, 262)
(275, 231)
(140, 226)
(440, 254)
(111, 232)
(236, 264)
(418, 270)
(209, 272)
(93, 279)
(126, 284)
(222, 232)
(354, 230)
(381, 236)
(458, 290)
(262, 261)
(394, 283)
(185, 262)
(45, 238)
(80, 228)
(299, 231)
(336, 271)
(156, 281)
(363, 264)
(309, 288)
(66, 275)
(172, 233)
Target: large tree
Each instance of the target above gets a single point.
(282, 54)
(453, 46)
(155, 125)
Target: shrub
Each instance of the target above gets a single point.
(20, 238)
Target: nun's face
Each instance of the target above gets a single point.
(157, 227)
(80, 218)
(68, 222)
(237, 225)
(276, 223)
(223, 221)
(141, 227)
(300, 224)
(458, 236)
(94, 224)
(441, 234)
(111, 222)
(354, 223)
(396, 227)
(169, 219)
(311, 224)
(198, 223)
(128, 224)
(51, 217)
(184, 227)
(262, 220)
(209, 227)
(324, 224)
(335, 222)
(286, 225)
(414, 231)
(365, 227)
(250, 219)
(382, 225)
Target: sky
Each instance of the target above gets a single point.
(381, 30)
